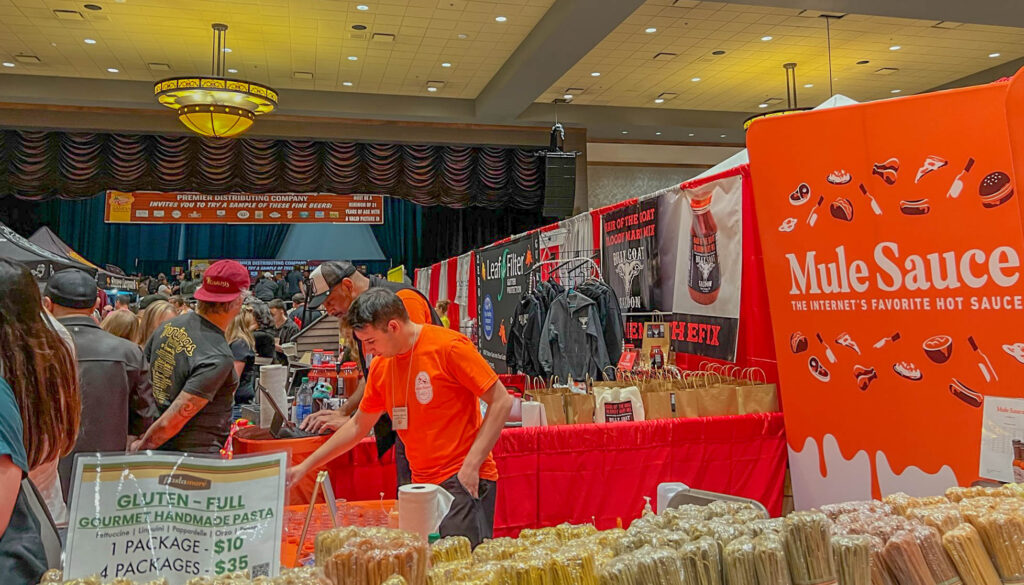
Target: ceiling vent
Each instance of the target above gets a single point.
(158, 66)
(358, 36)
(574, 90)
(383, 38)
(667, 96)
(28, 59)
(772, 101)
(68, 15)
(947, 24)
(302, 75)
(665, 56)
(886, 71)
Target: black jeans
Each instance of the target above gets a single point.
(402, 469)
(470, 517)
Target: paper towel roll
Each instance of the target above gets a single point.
(534, 415)
(275, 380)
(666, 491)
(422, 506)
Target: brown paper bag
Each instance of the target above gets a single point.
(716, 398)
(579, 408)
(658, 399)
(755, 395)
(552, 399)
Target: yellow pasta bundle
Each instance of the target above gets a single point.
(574, 567)
(498, 549)
(569, 532)
(738, 566)
(620, 571)
(701, 562)
(808, 540)
(395, 580)
(1003, 535)
(770, 560)
(958, 494)
(658, 565)
(852, 556)
(967, 551)
(451, 548)
(901, 502)
(943, 518)
(446, 572)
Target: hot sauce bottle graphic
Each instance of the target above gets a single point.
(705, 277)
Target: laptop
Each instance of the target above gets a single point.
(280, 426)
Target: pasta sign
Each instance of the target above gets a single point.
(894, 281)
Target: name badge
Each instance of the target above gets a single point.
(400, 418)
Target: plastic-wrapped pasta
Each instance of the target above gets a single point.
(570, 532)
(958, 494)
(451, 548)
(943, 518)
(1003, 535)
(968, 553)
(770, 560)
(658, 565)
(808, 539)
(941, 568)
(905, 560)
(852, 556)
(498, 549)
(395, 580)
(620, 571)
(701, 562)
(721, 508)
(880, 574)
(901, 502)
(738, 566)
(771, 526)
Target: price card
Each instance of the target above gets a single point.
(146, 516)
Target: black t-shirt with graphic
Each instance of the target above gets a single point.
(190, 354)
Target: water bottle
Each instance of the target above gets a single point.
(303, 401)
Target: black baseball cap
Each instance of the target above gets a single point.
(150, 299)
(327, 276)
(72, 288)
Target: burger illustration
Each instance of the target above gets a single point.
(995, 189)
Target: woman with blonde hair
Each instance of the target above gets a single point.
(243, 346)
(40, 410)
(154, 316)
(123, 324)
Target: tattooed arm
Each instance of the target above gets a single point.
(184, 407)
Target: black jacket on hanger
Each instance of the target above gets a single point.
(610, 315)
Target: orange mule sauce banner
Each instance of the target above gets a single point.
(913, 283)
(159, 207)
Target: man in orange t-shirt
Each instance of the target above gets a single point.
(430, 380)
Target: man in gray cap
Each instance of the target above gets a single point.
(117, 403)
(335, 285)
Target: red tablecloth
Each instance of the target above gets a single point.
(600, 473)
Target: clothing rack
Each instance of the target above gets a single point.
(581, 262)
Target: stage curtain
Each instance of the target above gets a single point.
(42, 164)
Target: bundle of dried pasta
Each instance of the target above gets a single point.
(498, 549)
(852, 556)
(299, 576)
(958, 494)
(395, 580)
(658, 565)
(1003, 535)
(872, 507)
(52, 576)
(880, 574)
(451, 548)
(808, 539)
(752, 515)
(370, 560)
(237, 578)
(687, 512)
(968, 553)
(721, 508)
(635, 540)
(569, 532)
(446, 572)
(772, 526)
(574, 567)
(943, 518)
(528, 571)
(738, 566)
(905, 560)
(901, 502)
(701, 562)
(620, 571)
(941, 568)
(888, 526)
(770, 560)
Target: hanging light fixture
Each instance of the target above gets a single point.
(213, 105)
(791, 104)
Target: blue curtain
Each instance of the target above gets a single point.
(80, 224)
(400, 237)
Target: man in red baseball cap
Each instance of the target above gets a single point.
(192, 367)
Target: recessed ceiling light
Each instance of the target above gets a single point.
(358, 27)
(567, 96)
(462, 36)
(723, 135)
(432, 89)
(90, 41)
(347, 83)
(353, 58)
(808, 85)
(92, 7)
(657, 133)
(762, 105)
(232, 70)
(993, 55)
(895, 90)
(113, 70)
(691, 134)
(625, 132)
(767, 38)
(695, 79)
(500, 18)
(446, 64)
(863, 62)
(718, 52)
(659, 100)
(362, 7)
(650, 30)
(226, 49)
(8, 64)
(895, 48)
(596, 74)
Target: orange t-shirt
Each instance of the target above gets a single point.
(440, 381)
(419, 310)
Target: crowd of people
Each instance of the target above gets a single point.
(80, 375)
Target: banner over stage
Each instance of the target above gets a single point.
(269, 208)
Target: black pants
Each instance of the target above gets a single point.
(470, 517)
(402, 468)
